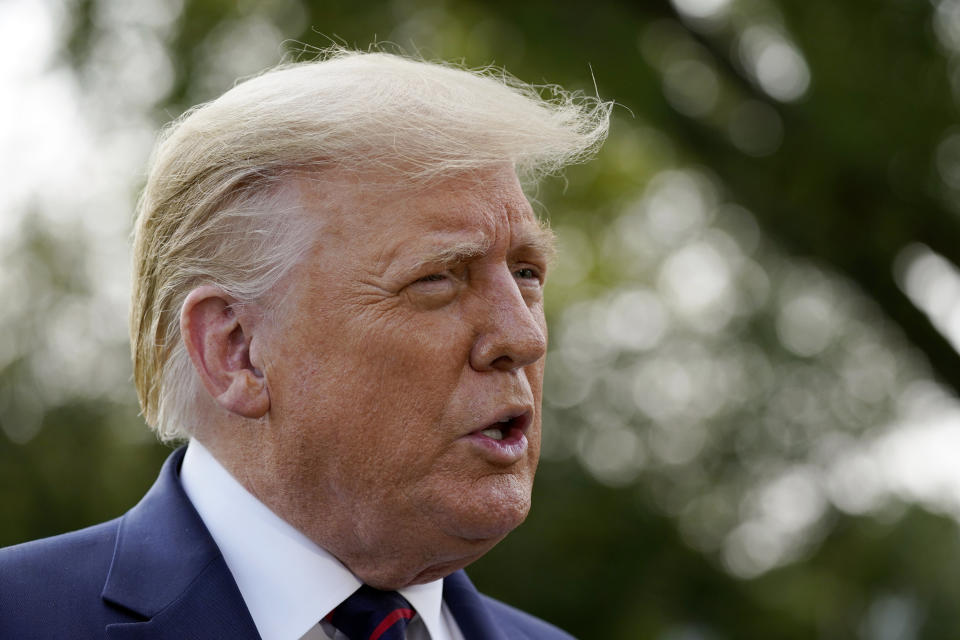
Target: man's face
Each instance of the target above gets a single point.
(404, 370)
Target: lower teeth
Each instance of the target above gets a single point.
(493, 434)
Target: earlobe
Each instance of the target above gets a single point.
(218, 340)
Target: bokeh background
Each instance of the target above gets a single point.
(751, 414)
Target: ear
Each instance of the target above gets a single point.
(218, 341)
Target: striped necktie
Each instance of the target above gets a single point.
(371, 614)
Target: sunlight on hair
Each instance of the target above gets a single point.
(220, 205)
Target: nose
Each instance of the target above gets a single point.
(510, 333)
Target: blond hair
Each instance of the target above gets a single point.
(216, 210)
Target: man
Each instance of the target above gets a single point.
(338, 300)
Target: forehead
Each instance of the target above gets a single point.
(372, 215)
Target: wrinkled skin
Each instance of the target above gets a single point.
(416, 322)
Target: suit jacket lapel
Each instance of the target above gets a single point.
(167, 569)
(211, 607)
(468, 609)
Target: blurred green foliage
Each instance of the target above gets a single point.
(799, 190)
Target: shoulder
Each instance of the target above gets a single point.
(522, 625)
(55, 583)
(49, 563)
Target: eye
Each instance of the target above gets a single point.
(432, 291)
(437, 283)
(527, 273)
(433, 277)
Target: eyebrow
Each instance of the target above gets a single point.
(541, 241)
(452, 254)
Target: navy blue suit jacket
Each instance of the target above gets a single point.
(156, 573)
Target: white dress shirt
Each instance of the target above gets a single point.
(288, 582)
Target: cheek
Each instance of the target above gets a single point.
(369, 379)
(421, 355)
(534, 375)
(384, 391)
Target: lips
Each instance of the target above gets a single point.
(503, 441)
(509, 428)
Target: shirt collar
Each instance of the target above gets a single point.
(287, 582)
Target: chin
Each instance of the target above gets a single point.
(430, 556)
(488, 515)
(456, 529)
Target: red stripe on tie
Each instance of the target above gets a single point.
(390, 620)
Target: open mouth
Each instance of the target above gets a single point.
(509, 429)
